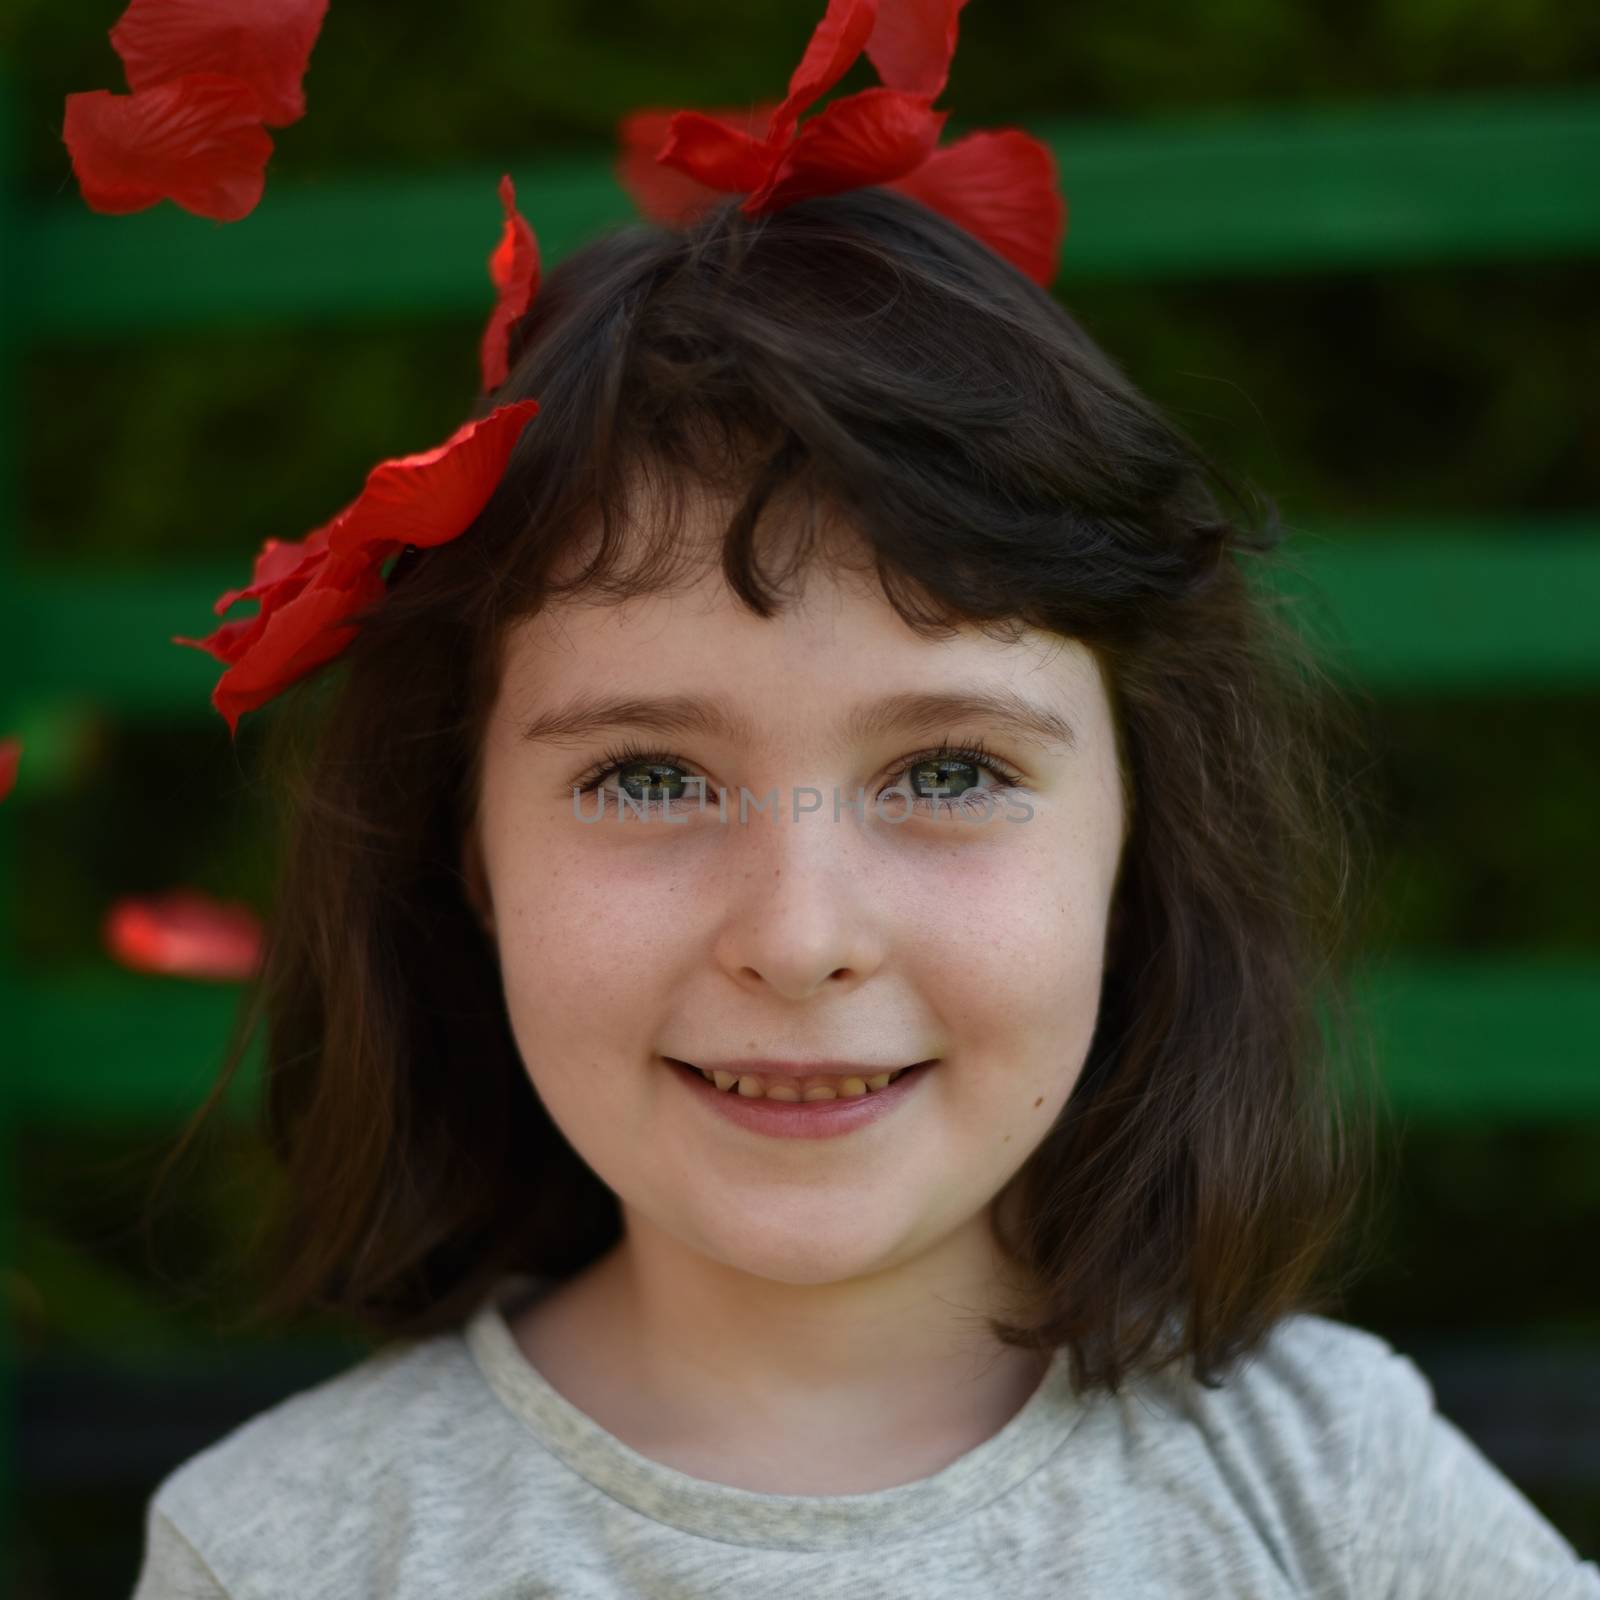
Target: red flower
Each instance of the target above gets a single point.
(184, 933)
(1001, 186)
(514, 271)
(197, 141)
(864, 138)
(208, 77)
(10, 759)
(264, 43)
(312, 591)
(669, 194)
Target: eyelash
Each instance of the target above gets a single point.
(971, 750)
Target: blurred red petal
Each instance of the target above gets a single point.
(865, 138)
(265, 43)
(1001, 185)
(186, 934)
(197, 141)
(10, 757)
(912, 43)
(430, 497)
(835, 43)
(514, 271)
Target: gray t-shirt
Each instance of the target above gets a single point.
(448, 1469)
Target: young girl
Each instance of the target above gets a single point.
(796, 1000)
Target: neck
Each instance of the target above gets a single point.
(840, 1386)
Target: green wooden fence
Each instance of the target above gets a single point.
(1449, 608)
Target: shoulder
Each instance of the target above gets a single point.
(1329, 1433)
(332, 1466)
(1271, 1451)
(1298, 1400)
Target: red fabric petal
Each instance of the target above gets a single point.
(671, 194)
(663, 194)
(280, 561)
(230, 641)
(233, 640)
(831, 51)
(10, 758)
(912, 44)
(197, 141)
(514, 271)
(718, 154)
(864, 138)
(310, 590)
(265, 43)
(291, 639)
(1001, 185)
(184, 933)
(430, 497)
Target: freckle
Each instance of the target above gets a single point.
(1039, 1102)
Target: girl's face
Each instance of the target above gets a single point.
(629, 940)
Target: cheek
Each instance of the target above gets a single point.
(584, 956)
(1025, 925)
(1014, 962)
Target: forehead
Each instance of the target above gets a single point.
(838, 664)
(836, 660)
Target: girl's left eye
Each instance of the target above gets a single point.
(939, 769)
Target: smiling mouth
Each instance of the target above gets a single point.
(783, 1087)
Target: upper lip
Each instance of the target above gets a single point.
(799, 1069)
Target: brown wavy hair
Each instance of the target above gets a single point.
(856, 354)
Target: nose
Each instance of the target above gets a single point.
(801, 912)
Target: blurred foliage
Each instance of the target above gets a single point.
(1432, 392)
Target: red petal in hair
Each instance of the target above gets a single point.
(835, 44)
(184, 933)
(280, 561)
(913, 42)
(233, 641)
(514, 271)
(662, 193)
(291, 639)
(230, 641)
(197, 141)
(265, 43)
(10, 758)
(311, 592)
(1002, 186)
(714, 153)
(865, 138)
(430, 497)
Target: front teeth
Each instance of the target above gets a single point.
(848, 1088)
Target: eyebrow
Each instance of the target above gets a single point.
(924, 710)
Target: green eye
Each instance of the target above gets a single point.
(934, 779)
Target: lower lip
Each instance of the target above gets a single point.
(803, 1119)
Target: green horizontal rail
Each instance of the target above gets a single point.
(1456, 1039)
(1450, 607)
(1466, 1038)
(1385, 183)
(1447, 608)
